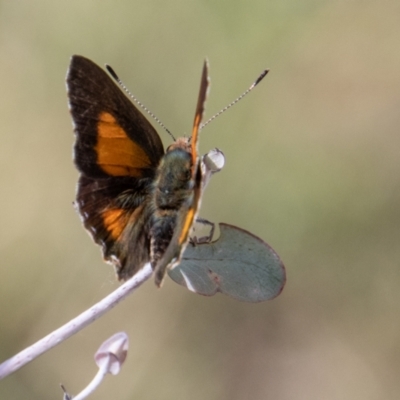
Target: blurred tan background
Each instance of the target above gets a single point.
(312, 167)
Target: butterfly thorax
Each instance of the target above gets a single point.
(173, 183)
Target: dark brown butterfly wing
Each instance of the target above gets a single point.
(113, 138)
(116, 213)
(117, 152)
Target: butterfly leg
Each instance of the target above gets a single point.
(203, 239)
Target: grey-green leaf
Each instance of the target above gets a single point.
(238, 264)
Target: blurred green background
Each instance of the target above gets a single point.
(312, 167)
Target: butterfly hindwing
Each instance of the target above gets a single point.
(116, 214)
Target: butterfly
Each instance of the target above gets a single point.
(136, 200)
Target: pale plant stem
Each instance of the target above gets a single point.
(87, 317)
(101, 373)
(70, 328)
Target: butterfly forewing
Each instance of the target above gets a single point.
(200, 108)
(113, 138)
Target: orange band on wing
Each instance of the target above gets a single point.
(117, 154)
(194, 137)
(187, 225)
(114, 221)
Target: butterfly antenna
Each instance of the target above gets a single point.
(138, 102)
(255, 83)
